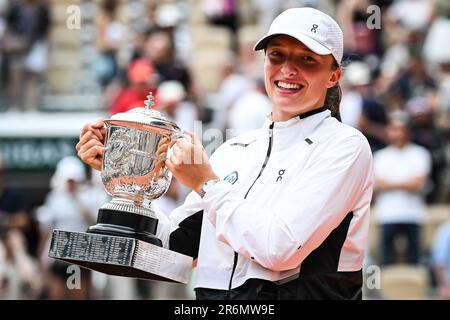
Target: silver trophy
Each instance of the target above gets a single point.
(124, 242)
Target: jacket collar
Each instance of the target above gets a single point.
(307, 121)
(295, 130)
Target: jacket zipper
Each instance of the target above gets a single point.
(269, 150)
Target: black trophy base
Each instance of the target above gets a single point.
(120, 256)
(124, 224)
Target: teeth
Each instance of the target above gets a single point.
(285, 85)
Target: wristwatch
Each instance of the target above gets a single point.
(206, 186)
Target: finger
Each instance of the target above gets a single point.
(170, 164)
(185, 143)
(199, 155)
(172, 142)
(162, 150)
(99, 133)
(162, 155)
(193, 136)
(97, 164)
(164, 140)
(176, 158)
(89, 136)
(177, 151)
(163, 144)
(99, 124)
(86, 128)
(90, 143)
(90, 147)
(92, 156)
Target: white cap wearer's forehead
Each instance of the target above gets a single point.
(171, 90)
(315, 29)
(70, 168)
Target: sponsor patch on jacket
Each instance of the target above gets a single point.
(232, 177)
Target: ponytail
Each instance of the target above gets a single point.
(333, 100)
(334, 96)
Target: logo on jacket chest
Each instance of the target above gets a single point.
(280, 174)
(232, 177)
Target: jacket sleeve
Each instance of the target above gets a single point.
(309, 210)
(180, 231)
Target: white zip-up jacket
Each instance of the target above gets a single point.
(289, 189)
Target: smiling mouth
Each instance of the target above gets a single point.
(288, 86)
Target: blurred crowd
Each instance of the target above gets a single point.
(196, 57)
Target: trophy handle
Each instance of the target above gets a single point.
(176, 136)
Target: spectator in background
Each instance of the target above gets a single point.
(419, 13)
(425, 133)
(249, 111)
(360, 40)
(222, 13)
(355, 80)
(372, 118)
(443, 121)
(159, 49)
(171, 100)
(441, 260)
(19, 274)
(414, 83)
(435, 50)
(70, 205)
(13, 212)
(234, 83)
(401, 173)
(110, 36)
(20, 277)
(141, 76)
(24, 48)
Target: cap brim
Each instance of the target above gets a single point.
(312, 44)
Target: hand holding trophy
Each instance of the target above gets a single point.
(123, 242)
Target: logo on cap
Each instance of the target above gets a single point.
(314, 28)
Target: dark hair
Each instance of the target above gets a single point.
(334, 96)
(110, 6)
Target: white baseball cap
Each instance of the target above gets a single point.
(70, 168)
(315, 29)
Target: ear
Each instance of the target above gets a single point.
(334, 78)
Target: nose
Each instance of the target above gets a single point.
(289, 69)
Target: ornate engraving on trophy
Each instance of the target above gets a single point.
(117, 154)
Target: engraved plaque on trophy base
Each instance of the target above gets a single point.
(121, 256)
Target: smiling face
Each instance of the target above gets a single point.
(296, 78)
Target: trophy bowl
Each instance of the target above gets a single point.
(134, 172)
(123, 241)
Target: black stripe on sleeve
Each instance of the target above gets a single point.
(325, 258)
(186, 238)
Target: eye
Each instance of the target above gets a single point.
(309, 59)
(276, 57)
